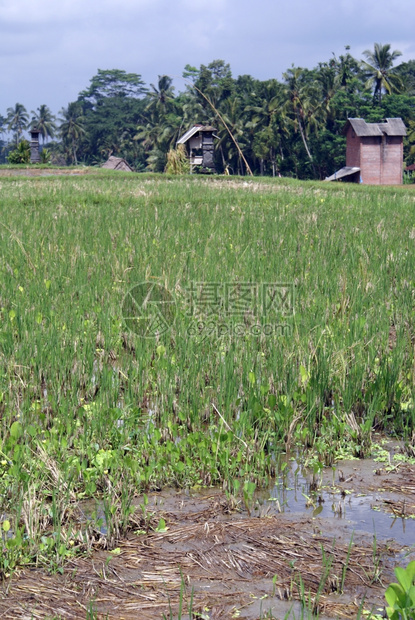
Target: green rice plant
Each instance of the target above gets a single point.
(182, 596)
(310, 603)
(345, 565)
(377, 558)
(92, 614)
(92, 409)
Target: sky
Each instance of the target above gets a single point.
(50, 49)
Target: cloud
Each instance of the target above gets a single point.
(47, 12)
(50, 49)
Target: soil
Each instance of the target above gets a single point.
(330, 548)
(43, 172)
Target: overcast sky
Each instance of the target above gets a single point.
(50, 49)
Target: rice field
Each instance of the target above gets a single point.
(186, 331)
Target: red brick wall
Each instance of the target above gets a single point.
(352, 148)
(392, 158)
(379, 158)
(370, 160)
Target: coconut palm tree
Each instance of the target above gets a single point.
(232, 136)
(302, 103)
(267, 124)
(161, 97)
(44, 121)
(17, 119)
(72, 127)
(380, 71)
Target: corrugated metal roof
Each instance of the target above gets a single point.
(191, 132)
(392, 127)
(343, 172)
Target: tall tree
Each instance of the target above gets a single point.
(381, 74)
(72, 128)
(302, 103)
(17, 120)
(113, 105)
(44, 121)
(267, 123)
(161, 97)
(113, 83)
(406, 71)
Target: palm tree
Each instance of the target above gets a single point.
(157, 135)
(17, 119)
(302, 103)
(267, 124)
(44, 121)
(232, 136)
(72, 127)
(380, 72)
(161, 96)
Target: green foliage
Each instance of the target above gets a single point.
(113, 84)
(21, 154)
(112, 107)
(45, 156)
(401, 596)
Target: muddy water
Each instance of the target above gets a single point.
(350, 495)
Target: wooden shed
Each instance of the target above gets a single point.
(117, 163)
(199, 142)
(374, 152)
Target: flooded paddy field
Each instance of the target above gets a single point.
(296, 550)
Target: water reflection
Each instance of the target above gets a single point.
(294, 493)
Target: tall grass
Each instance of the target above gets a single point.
(112, 409)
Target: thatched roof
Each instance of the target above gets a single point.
(117, 163)
(391, 127)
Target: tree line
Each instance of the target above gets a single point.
(291, 127)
